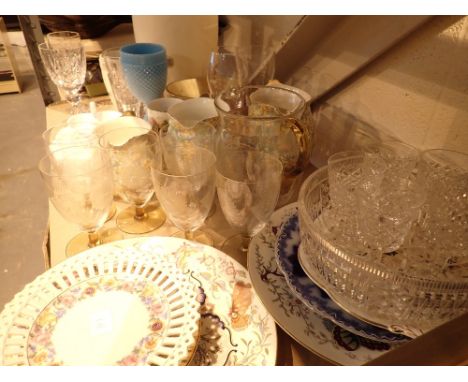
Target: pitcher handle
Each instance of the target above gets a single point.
(303, 139)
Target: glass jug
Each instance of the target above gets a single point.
(272, 119)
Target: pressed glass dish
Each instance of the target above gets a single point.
(392, 291)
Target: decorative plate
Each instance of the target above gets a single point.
(310, 294)
(105, 306)
(315, 333)
(235, 328)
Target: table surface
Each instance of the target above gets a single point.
(61, 231)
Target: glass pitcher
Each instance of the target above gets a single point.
(272, 119)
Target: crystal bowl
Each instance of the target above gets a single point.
(401, 296)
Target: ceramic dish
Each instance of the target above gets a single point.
(315, 333)
(310, 294)
(106, 306)
(235, 329)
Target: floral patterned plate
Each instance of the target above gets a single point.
(234, 327)
(315, 333)
(104, 307)
(310, 294)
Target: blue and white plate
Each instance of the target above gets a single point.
(310, 294)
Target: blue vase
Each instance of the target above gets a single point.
(145, 69)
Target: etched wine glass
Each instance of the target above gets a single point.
(185, 187)
(80, 186)
(248, 184)
(134, 151)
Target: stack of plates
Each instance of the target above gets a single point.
(300, 307)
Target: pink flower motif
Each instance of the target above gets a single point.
(130, 360)
(90, 291)
(67, 300)
(156, 309)
(128, 286)
(157, 325)
(36, 329)
(42, 339)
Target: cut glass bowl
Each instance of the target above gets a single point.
(393, 290)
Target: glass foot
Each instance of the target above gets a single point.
(199, 236)
(153, 218)
(80, 242)
(237, 246)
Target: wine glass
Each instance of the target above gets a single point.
(80, 186)
(134, 151)
(185, 186)
(248, 185)
(225, 71)
(65, 60)
(190, 124)
(76, 133)
(114, 79)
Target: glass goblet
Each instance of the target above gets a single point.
(185, 186)
(225, 71)
(134, 151)
(76, 133)
(248, 185)
(80, 186)
(66, 67)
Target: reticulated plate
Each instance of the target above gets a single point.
(313, 296)
(312, 331)
(105, 306)
(235, 328)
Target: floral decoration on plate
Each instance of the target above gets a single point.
(105, 306)
(41, 349)
(228, 324)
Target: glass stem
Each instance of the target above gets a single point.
(93, 239)
(74, 99)
(139, 213)
(245, 243)
(188, 235)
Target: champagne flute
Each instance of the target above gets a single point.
(248, 184)
(80, 186)
(185, 186)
